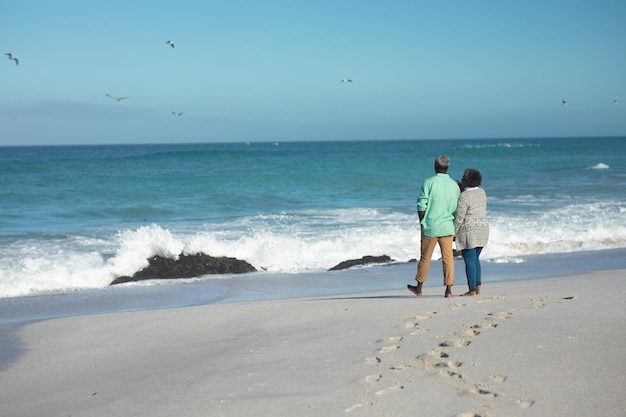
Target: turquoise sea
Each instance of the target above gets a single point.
(73, 218)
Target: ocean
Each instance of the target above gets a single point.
(73, 218)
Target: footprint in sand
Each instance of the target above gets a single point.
(455, 343)
(431, 356)
(419, 330)
(472, 332)
(392, 388)
(448, 364)
(501, 315)
(373, 360)
(414, 322)
(436, 353)
(387, 349)
(525, 403)
(482, 391)
(392, 339)
(488, 299)
(372, 378)
(497, 378)
(357, 407)
(402, 367)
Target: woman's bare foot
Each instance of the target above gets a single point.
(478, 290)
(470, 294)
(448, 293)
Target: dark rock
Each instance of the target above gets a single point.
(187, 266)
(363, 261)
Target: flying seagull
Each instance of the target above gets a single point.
(346, 80)
(615, 102)
(170, 43)
(118, 99)
(177, 114)
(13, 58)
(563, 102)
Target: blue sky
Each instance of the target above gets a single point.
(271, 70)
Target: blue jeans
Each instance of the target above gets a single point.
(472, 267)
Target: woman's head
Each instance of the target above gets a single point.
(472, 178)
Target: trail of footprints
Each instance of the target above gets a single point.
(439, 360)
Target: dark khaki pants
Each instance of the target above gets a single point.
(447, 258)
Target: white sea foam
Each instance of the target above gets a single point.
(599, 165)
(135, 247)
(316, 241)
(501, 145)
(311, 241)
(32, 266)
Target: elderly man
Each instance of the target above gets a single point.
(436, 207)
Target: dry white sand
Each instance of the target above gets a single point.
(548, 347)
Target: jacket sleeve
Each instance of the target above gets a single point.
(422, 200)
(459, 217)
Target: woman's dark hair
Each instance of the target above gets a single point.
(472, 177)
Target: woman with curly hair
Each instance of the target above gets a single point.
(471, 227)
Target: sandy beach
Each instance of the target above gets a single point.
(542, 347)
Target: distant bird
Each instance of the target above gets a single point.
(177, 114)
(615, 102)
(346, 80)
(117, 99)
(170, 43)
(563, 102)
(13, 58)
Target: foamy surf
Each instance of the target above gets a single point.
(295, 243)
(599, 166)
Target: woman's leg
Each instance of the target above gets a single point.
(478, 268)
(469, 256)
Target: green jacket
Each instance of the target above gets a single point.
(438, 199)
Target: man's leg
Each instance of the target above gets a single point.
(426, 253)
(447, 259)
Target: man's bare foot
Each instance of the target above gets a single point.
(470, 294)
(448, 293)
(478, 290)
(415, 290)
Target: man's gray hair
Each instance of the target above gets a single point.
(442, 162)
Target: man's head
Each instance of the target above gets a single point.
(442, 163)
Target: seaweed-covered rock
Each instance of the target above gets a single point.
(363, 261)
(187, 266)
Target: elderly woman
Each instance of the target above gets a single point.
(471, 227)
